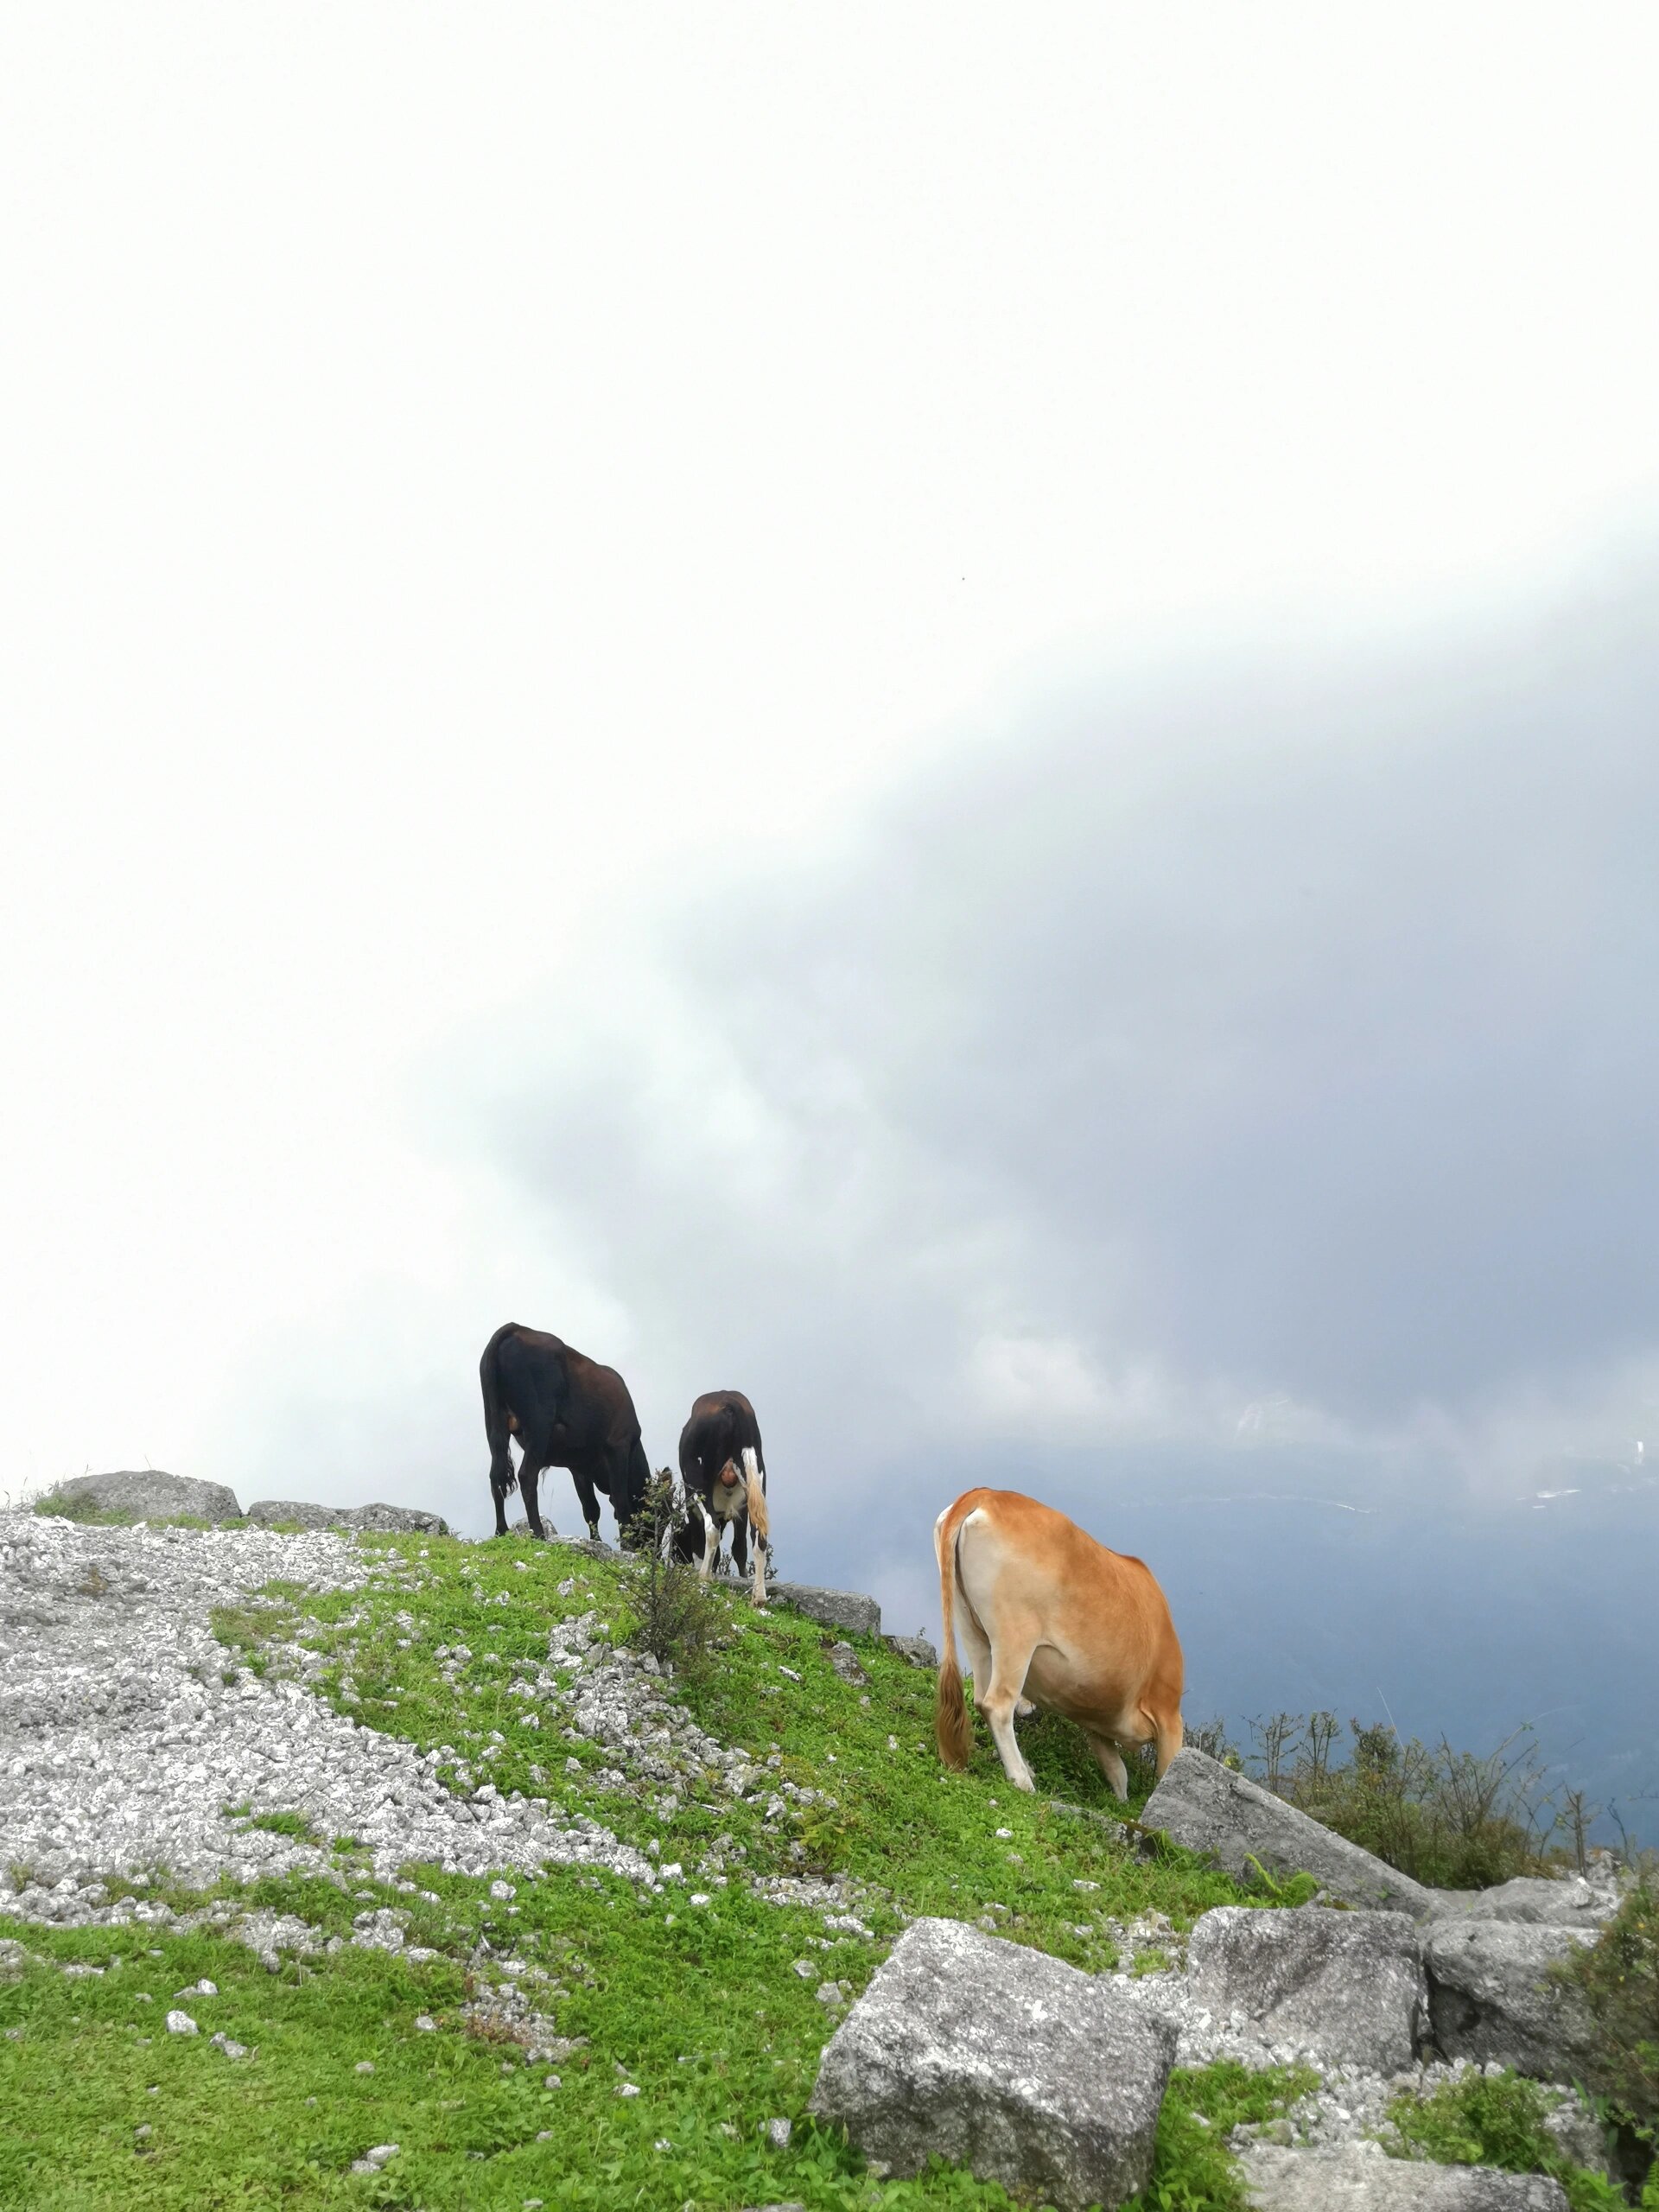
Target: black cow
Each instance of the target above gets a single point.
(724, 1471)
(567, 1411)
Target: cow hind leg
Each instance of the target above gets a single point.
(975, 1647)
(1111, 1765)
(1010, 1662)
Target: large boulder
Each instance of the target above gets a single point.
(394, 1521)
(287, 1512)
(1568, 1901)
(147, 1494)
(1493, 1996)
(385, 1520)
(1359, 2179)
(1009, 2063)
(848, 1609)
(1342, 1988)
(1211, 1808)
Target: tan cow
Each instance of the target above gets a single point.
(1050, 1615)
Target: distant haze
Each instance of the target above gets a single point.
(954, 721)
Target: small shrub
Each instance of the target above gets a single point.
(1497, 2120)
(1619, 1976)
(1455, 1820)
(677, 1617)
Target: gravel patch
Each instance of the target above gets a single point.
(121, 1744)
(590, 1690)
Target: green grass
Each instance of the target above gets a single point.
(1194, 2171)
(899, 1820)
(294, 1824)
(77, 1509)
(88, 1515)
(703, 2016)
(701, 2008)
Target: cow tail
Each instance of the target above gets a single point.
(502, 1477)
(755, 1492)
(953, 1730)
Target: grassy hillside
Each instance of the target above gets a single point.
(683, 2018)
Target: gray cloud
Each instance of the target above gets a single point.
(1284, 1032)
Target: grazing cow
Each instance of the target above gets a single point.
(566, 1411)
(724, 1471)
(1050, 1615)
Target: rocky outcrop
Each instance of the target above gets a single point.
(1341, 1988)
(148, 1494)
(1009, 2063)
(387, 1520)
(843, 1609)
(1211, 1808)
(1494, 1997)
(1361, 2179)
(916, 1648)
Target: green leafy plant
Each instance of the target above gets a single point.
(1288, 1890)
(1619, 1976)
(1497, 2120)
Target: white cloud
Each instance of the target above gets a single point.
(477, 482)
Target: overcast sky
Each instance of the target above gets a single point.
(949, 716)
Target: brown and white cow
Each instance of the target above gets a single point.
(1049, 1615)
(724, 1470)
